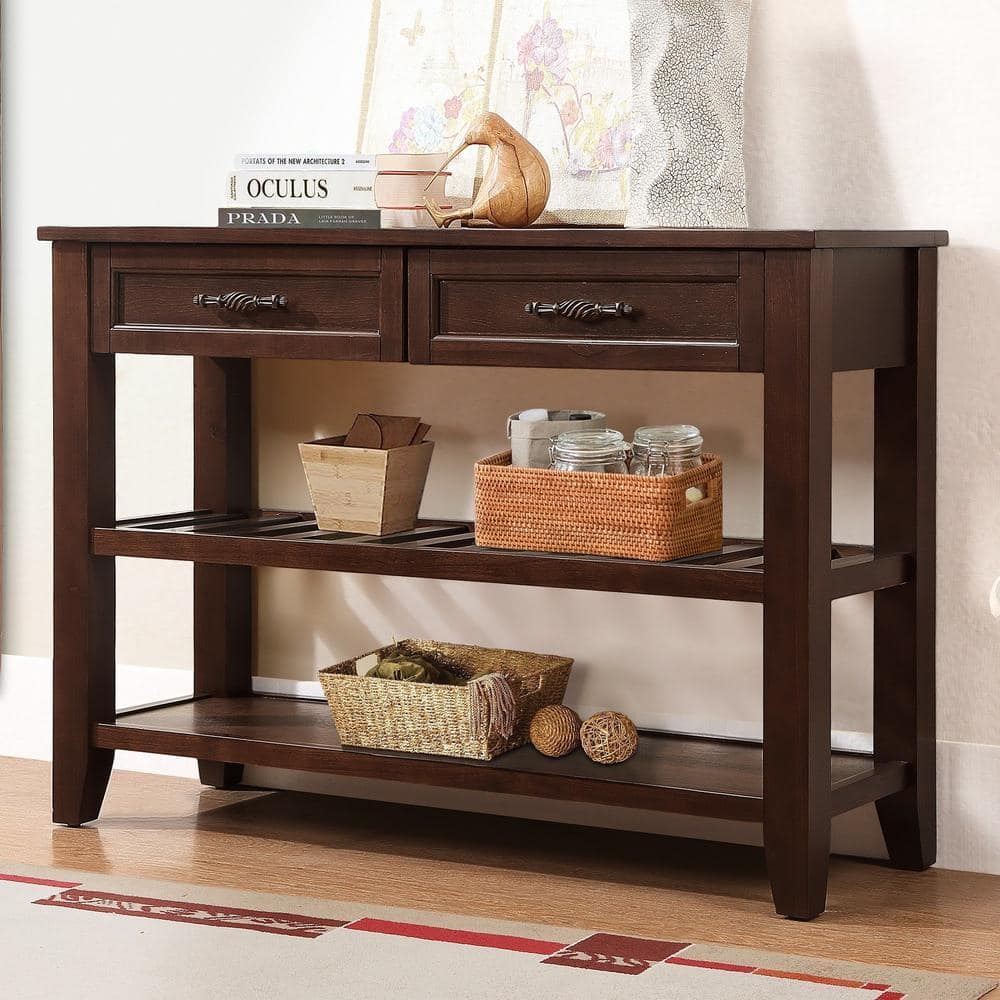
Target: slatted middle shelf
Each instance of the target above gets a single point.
(447, 550)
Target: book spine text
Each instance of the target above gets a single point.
(304, 161)
(301, 218)
(347, 189)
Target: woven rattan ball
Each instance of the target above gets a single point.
(555, 730)
(609, 738)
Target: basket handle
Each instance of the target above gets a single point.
(547, 679)
(712, 484)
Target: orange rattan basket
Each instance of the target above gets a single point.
(598, 513)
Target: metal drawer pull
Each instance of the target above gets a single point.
(581, 309)
(242, 302)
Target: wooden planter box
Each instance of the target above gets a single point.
(368, 490)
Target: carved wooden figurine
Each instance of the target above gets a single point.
(516, 186)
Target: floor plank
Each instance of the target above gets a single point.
(171, 828)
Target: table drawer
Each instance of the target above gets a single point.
(593, 309)
(242, 301)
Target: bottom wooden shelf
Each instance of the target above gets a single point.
(669, 773)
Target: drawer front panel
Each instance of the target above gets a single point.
(660, 311)
(604, 309)
(306, 302)
(315, 303)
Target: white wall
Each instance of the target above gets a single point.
(859, 113)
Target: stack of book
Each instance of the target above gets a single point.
(337, 191)
(301, 190)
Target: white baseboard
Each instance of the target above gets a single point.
(26, 710)
(968, 773)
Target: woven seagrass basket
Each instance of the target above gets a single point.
(482, 719)
(598, 513)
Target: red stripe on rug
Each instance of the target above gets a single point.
(205, 914)
(29, 880)
(778, 974)
(426, 932)
(806, 978)
(720, 966)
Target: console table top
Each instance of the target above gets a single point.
(581, 237)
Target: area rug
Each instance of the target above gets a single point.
(83, 935)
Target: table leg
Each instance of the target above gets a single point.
(797, 578)
(905, 434)
(223, 620)
(83, 388)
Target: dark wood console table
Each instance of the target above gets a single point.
(795, 305)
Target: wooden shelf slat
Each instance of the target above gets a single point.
(669, 773)
(158, 518)
(433, 550)
(447, 550)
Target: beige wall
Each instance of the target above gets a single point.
(858, 114)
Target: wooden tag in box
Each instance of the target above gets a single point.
(373, 491)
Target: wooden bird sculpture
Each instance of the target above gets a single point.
(517, 182)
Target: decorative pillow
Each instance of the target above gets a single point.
(688, 66)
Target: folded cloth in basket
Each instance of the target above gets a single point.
(402, 666)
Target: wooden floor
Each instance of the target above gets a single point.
(346, 849)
